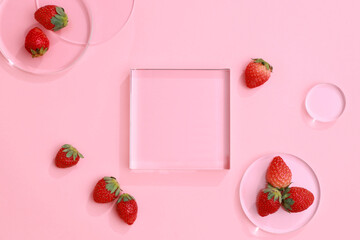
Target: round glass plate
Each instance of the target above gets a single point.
(281, 221)
(109, 17)
(61, 54)
(325, 102)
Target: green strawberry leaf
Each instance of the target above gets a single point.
(258, 60)
(60, 20)
(271, 195)
(58, 17)
(127, 197)
(69, 154)
(276, 198)
(33, 52)
(263, 62)
(268, 189)
(114, 188)
(287, 203)
(266, 65)
(287, 207)
(117, 192)
(285, 196)
(108, 187)
(60, 10)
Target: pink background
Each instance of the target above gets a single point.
(307, 42)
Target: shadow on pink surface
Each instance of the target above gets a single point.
(25, 76)
(117, 224)
(97, 209)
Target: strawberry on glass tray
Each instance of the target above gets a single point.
(108, 18)
(255, 179)
(61, 53)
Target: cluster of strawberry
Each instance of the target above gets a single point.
(106, 190)
(50, 17)
(279, 193)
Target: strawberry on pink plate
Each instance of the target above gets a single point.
(254, 179)
(62, 54)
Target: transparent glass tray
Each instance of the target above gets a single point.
(180, 119)
(61, 54)
(325, 102)
(109, 17)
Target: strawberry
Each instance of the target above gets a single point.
(278, 173)
(67, 156)
(106, 190)
(36, 42)
(51, 17)
(127, 208)
(257, 73)
(268, 201)
(297, 199)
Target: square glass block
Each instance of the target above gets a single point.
(180, 119)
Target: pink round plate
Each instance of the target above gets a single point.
(281, 221)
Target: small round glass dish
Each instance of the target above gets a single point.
(325, 102)
(61, 55)
(109, 17)
(281, 221)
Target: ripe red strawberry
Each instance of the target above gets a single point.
(297, 199)
(278, 173)
(51, 17)
(127, 208)
(268, 201)
(67, 156)
(106, 190)
(36, 42)
(257, 73)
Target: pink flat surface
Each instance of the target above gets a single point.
(180, 119)
(254, 180)
(307, 42)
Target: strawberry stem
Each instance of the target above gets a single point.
(263, 62)
(71, 151)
